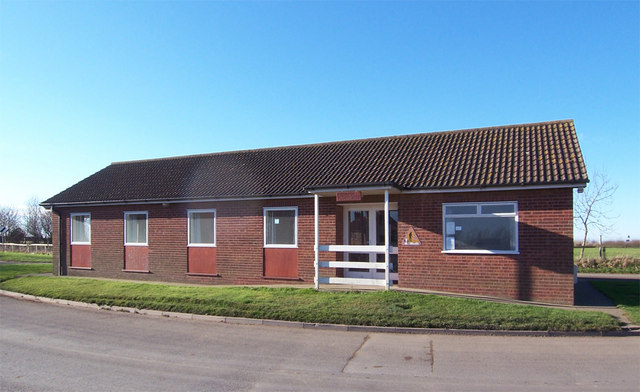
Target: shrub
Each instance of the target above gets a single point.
(617, 263)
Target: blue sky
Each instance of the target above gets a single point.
(83, 84)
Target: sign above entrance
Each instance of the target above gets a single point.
(349, 196)
(412, 238)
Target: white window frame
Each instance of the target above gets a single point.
(146, 213)
(71, 227)
(478, 215)
(215, 235)
(264, 227)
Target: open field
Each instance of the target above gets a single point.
(25, 257)
(381, 308)
(593, 253)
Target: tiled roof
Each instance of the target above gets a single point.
(514, 155)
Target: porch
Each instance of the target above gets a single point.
(368, 254)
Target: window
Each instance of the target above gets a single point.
(202, 227)
(480, 227)
(281, 227)
(81, 229)
(135, 228)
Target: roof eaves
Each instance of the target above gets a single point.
(172, 200)
(367, 185)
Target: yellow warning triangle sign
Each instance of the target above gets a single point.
(412, 238)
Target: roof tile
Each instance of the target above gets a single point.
(513, 155)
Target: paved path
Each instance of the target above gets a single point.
(588, 297)
(49, 347)
(609, 276)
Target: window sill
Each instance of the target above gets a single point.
(137, 271)
(198, 274)
(80, 268)
(201, 245)
(136, 244)
(298, 279)
(481, 252)
(280, 246)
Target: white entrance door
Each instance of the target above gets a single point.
(364, 225)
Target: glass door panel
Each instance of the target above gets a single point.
(366, 227)
(393, 241)
(358, 234)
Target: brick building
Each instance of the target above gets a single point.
(482, 211)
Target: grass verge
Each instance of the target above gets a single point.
(9, 271)
(25, 257)
(381, 308)
(626, 296)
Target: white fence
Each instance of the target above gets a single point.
(352, 264)
(28, 248)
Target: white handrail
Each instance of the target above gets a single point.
(350, 264)
(352, 248)
(354, 281)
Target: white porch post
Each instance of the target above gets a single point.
(316, 213)
(386, 239)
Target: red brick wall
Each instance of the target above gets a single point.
(239, 240)
(542, 271)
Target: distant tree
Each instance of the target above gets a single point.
(9, 218)
(592, 206)
(15, 236)
(46, 224)
(33, 220)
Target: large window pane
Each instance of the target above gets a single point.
(481, 230)
(483, 233)
(280, 227)
(81, 228)
(136, 228)
(202, 228)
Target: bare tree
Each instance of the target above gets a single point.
(32, 219)
(46, 224)
(592, 206)
(9, 218)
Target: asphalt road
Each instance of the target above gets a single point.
(46, 347)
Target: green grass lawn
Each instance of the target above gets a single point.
(593, 253)
(381, 308)
(625, 294)
(25, 257)
(9, 271)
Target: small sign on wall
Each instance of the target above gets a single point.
(349, 196)
(412, 238)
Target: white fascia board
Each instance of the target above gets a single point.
(381, 189)
(177, 201)
(312, 192)
(498, 189)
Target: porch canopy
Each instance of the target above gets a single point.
(352, 193)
